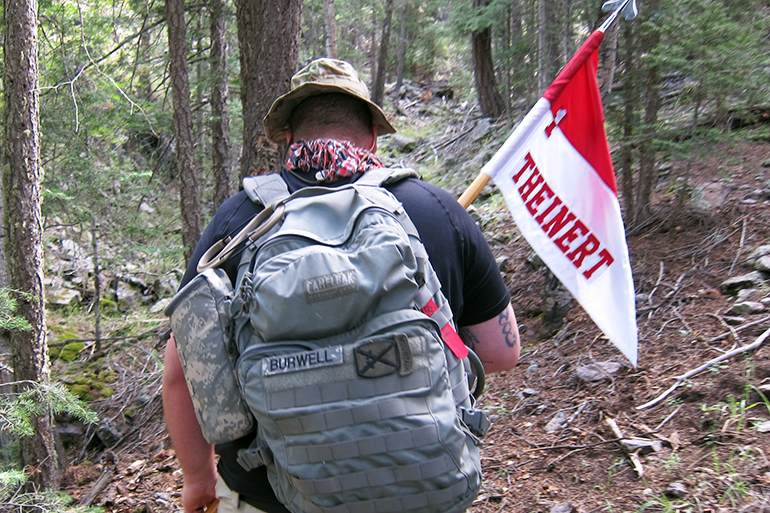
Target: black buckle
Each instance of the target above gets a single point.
(477, 421)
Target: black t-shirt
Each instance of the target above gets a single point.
(465, 266)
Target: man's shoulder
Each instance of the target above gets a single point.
(413, 187)
(424, 198)
(233, 211)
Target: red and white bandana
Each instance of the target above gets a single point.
(330, 159)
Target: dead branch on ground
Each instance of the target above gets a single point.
(633, 456)
(684, 377)
(104, 480)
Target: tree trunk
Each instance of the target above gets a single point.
(268, 35)
(542, 46)
(199, 128)
(490, 100)
(378, 87)
(548, 55)
(373, 38)
(647, 154)
(22, 177)
(566, 34)
(144, 88)
(403, 43)
(630, 98)
(508, 42)
(608, 56)
(311, 38)
(516, 13)
(183, 127)
(220, 119)
(330, 20)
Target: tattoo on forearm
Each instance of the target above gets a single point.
(505, 323)
(469, 338)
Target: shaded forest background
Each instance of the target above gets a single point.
(141, 137)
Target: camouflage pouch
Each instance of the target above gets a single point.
(200, 319)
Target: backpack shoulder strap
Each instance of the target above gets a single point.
(265, 189)
(385, 176)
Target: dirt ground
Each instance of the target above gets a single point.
(552, 447)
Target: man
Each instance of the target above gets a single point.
(332, 128)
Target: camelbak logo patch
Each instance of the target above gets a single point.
(382, 356)
(330, 286)
(307, 360)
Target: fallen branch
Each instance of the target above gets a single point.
(573, 447)
(104, 480)
(684, 377)
(732, 330)
(657, 283)
(739, 328)
(740, 248)
(565, 456)
(633, 456)
(649, 308)
(73, 340)
(578, 412)
(665, 421)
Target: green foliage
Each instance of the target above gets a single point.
(8, 320)
(660, 502)
(10, 481)
(734, 411)
(71, 351)
(765, 400)
(18, 409)
(718, 53)
(13, 498)
(468, 19)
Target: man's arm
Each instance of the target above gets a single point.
(496, 341)
(195, 454)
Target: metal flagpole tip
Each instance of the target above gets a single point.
(629, 10)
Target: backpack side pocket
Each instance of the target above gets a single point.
(200, 319)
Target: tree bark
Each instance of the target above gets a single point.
(144, 87)
(608, 56)
(378, 86)
(630, 98)
(268, 35)
(183, 127)
(567, 33)
(508, 44)
(516, 14)
(220, 118)
(373, 38)
(199, 125)
(330, 20)
(542, 46)
(22, 177)
(490, 100)
(647, 154)
(549, 58)
(403, 43)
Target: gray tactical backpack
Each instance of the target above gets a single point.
(343, 349)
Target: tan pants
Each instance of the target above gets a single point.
(229, 501)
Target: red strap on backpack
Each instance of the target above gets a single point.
(448, 333)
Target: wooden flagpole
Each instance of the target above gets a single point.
(472, 192)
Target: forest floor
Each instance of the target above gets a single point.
(707, 445)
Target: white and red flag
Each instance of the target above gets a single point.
(556, 175)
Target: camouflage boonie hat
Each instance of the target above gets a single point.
(320, 77)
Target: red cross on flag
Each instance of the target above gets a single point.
(556, 175)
